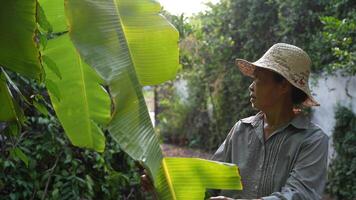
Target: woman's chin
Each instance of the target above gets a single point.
(253, 105)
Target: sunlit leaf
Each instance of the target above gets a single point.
(85, 105)
(108, 34)
(188, 178)
(52, 66)
(53, 89)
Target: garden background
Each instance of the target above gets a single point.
(198, 108)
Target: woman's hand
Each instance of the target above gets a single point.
(147, 185)
(146, 182)
(220, 198)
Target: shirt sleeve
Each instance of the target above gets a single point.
(223, 154)
(308, 176)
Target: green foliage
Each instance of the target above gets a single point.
(10, 110)
(342, 174)
(138, 48)
(41, 163)
(218, 93)
(129, 59)
(200, 120)
(341, 36)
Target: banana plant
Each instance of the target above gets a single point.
(120, 45)
(18, 52)
(131, 45)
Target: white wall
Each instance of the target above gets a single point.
(330, 91)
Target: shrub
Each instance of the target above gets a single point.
(52, 168)
(342, 171)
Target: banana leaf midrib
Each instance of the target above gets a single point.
(85, 98)
(168, 178)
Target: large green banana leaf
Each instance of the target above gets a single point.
(84, 105)
(128, 44)
(188, 178)
(18, 50)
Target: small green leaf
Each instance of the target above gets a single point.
(53, 89)
(14, 87)
(14, 129)
(17, 153)
(52, 66)
(7, 109)
(42, 19)
(41, 108)
(55, 193)
(43, 40)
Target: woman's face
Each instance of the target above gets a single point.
(265, 91)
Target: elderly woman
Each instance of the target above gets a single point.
(281, 154)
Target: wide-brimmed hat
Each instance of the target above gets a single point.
(287, 60)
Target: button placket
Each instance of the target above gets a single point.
(262, 172)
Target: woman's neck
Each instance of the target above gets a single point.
(277, 117)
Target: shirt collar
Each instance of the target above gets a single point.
(301, 121)
(253, 120)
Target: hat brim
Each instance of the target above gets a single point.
(247, 68)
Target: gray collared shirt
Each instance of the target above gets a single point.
(291, 164)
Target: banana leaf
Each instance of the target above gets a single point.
(130, 45)
(83, 107)
(188, 178)
(19, 51)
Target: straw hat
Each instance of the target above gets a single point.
(287, 60)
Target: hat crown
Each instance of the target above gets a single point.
(290, 61)
(288, 56)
